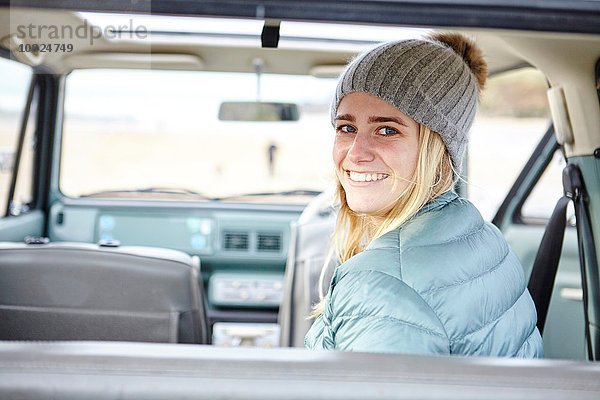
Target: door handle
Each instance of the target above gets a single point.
(574, 294)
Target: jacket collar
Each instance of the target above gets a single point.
(437, 203)
(390, 238)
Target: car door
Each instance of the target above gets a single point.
(522, 218)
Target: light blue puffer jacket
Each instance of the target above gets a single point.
(446, 282)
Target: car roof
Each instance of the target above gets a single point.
(542, 15)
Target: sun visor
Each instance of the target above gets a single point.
(135, 60)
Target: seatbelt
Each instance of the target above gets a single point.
(546, 261)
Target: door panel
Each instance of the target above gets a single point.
(563, 333)
(14, 229)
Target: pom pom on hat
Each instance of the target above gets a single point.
(468, 50)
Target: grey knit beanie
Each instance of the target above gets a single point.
(426, 79)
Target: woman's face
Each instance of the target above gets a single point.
(376, 145)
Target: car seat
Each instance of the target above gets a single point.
(82, 291)
(307, 255)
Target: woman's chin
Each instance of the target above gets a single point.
(362, 207)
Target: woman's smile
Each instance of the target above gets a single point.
(373, 177)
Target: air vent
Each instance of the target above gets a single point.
(235, 241)
(269, 242)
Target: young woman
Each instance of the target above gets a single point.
(421, 271)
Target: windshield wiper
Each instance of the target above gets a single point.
(150, 190)
(296, 192)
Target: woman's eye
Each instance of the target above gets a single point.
(347, 129)
(387, 131)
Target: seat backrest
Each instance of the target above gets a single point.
(80, 291)
(307, 254)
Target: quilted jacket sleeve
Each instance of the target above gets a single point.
(395, 319)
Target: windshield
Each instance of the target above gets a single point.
(155, 134)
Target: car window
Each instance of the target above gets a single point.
(128, 130)
(546, 192)
(15, 79)
(512, 118)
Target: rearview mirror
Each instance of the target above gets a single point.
(258, 111)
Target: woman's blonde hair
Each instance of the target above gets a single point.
(433, 175)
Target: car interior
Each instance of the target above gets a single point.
(166, 189)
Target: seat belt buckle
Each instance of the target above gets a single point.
(572, 182)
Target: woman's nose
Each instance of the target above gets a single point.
(361, 149)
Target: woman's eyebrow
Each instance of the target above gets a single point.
(345, 117)
(387, 119)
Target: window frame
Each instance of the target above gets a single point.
(510, 211)
(43, 88)
(22, 131)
